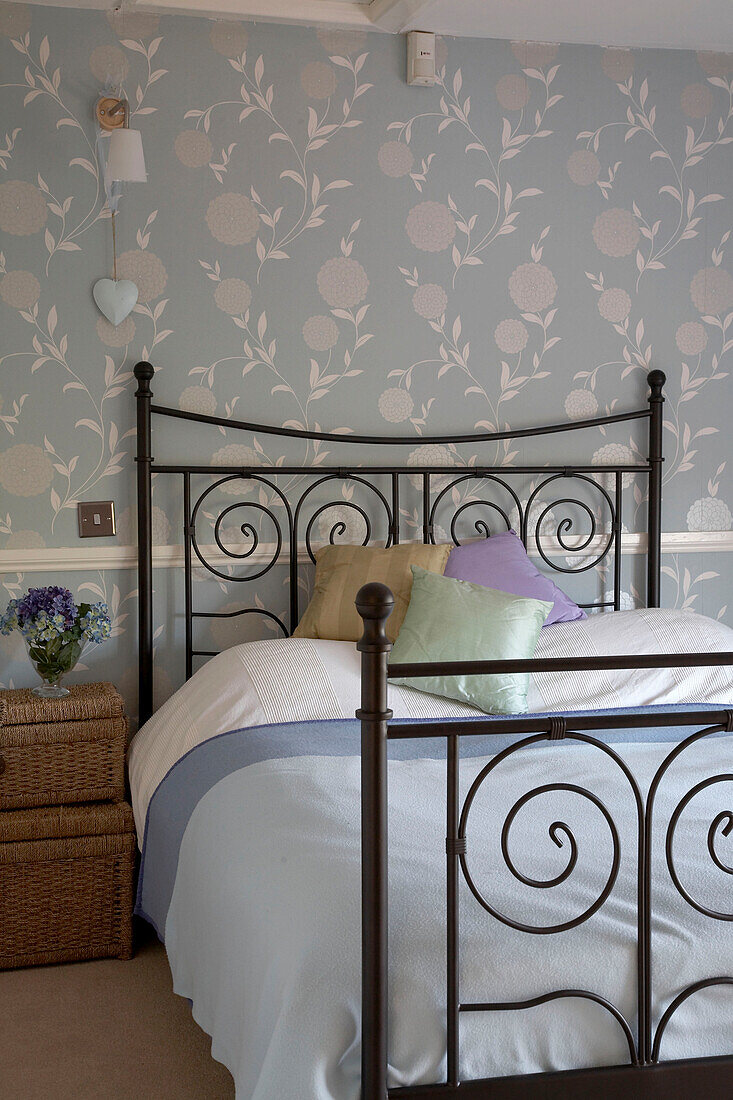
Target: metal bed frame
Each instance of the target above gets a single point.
(645, 1076)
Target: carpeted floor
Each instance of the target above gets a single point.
(103, 1030)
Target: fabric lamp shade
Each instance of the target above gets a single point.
(125, 160)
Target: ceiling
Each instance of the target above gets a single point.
(701, 25)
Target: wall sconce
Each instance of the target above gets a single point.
(125, 162)
(125, 159)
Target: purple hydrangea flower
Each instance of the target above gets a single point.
(54, 600)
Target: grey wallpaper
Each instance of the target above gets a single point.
(319, 244)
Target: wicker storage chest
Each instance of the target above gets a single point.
(66, 884)
(59, 751)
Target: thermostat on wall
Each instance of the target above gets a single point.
(420, 58)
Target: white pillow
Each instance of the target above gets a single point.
(648, 630)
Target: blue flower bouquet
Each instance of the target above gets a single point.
(56, 631)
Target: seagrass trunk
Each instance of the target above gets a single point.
(59, 751)
(66, 884)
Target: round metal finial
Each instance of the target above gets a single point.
(144, 372)
(656, 380)
(374, 601)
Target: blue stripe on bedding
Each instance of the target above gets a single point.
(206, 764)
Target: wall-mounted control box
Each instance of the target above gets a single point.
(421, 58)
(96, 519)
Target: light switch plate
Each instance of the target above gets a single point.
(96, 519)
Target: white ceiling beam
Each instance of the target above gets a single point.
(394, 16)
(333, 13)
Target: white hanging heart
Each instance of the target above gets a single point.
(115, 299)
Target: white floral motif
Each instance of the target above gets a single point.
(617, 64)
(232, 218)
(197, 399)
(511, 336)
(532, 287)
(691, 338)
(229, 39)
(711, 290)
(233, 296)
(116, 336)
(583, 167)
(336, 515)
(236, 454)
(133, 24)
(395, 158)
(715, 64)
(193, 148)
(431, 454)
(709, 514)
(616, 232)
(614, 454)
(396, 405)
(25, 470)
(429, 301)
(342, 282)
(22, 208)
(534, 55)
(696, 100)
(15, 19)
(20, 289)
(431, 226)
(512, 91)
(320, 333)
(614, 304)
(318, 80)
(341, 43)
(145, 270)
(108, 64)
(581, 404)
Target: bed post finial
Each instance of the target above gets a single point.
(656, 380)
(374, 602)
(144, 373)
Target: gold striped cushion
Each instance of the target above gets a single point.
(342, 570)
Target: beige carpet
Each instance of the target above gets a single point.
(103, 1030)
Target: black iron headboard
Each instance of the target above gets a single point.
(607, 480)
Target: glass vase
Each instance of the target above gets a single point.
(52, 664)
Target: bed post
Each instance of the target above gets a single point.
(656, 380)
(144, 373)
(374, 603)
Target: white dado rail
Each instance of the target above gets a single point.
(84, 558)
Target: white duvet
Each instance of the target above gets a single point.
(263, 929)
(301, 679)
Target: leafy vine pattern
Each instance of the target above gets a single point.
(358, 253)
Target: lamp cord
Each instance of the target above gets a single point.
(114, 247)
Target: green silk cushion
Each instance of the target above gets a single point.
(452, 620)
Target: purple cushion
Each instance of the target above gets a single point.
(501, 562)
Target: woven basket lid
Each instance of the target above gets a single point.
(20, 707)
(48, 822)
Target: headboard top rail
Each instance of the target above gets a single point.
(144, 372)
(421, 497)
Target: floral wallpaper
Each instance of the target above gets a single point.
(320, 245)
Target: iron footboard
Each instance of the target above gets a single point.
(645, 1075)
